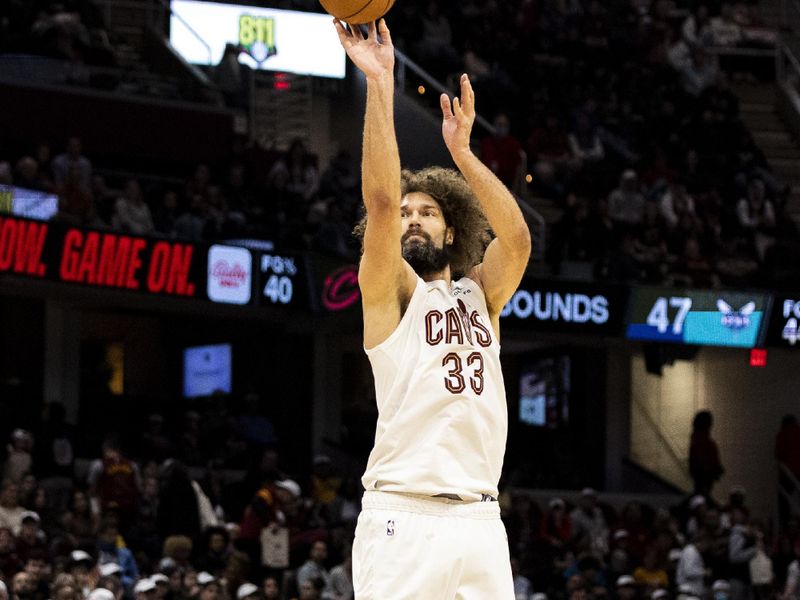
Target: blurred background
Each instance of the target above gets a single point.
(185, 404)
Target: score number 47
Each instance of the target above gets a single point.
(659, 314)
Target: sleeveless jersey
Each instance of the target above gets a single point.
(442, 416)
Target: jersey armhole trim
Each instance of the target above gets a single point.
(415, 299)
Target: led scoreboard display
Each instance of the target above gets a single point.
(703, 318)
(784, 324)
(284, 280)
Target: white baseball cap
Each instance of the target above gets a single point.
(658, 594)
(245, 590)
(101, 594)
(143, 586)
(204, 578)
(77, 556)
(290, 486)
(110, 568)
(159, 578)
(624, 580)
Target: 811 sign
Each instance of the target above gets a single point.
(278, 272)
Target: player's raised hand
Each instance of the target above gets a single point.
(458, 118)
(374, 55)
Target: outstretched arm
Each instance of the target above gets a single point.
(384, 277)
(507, 256)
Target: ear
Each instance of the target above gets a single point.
(449, 236)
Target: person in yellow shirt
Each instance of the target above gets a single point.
(651, 575)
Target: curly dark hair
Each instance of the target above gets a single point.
(461, 211)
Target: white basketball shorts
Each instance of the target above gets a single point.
(418, 548)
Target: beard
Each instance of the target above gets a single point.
(423, 256)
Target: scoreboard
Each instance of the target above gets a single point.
(699, 317)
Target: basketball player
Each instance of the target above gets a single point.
(430, 528)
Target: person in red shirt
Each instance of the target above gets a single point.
(502, 153)
(705, 466)
(115, 481)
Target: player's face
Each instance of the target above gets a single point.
(425, 234)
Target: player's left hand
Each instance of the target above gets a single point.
(458, 118)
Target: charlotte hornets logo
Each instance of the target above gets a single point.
(257, 37)
(736, 319)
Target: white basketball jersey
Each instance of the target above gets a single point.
(442, 417)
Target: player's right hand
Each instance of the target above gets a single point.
(373, 55)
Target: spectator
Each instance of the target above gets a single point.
(311, 589)
(626, 587)
(741, 550)
(11, 512)
(27, 175)
(502, 153)
(699, 72)
(523, 589)
(588, 520)
(215, 552)
(80, 521)
(115, 481)
(31, 540)
(131, 213)
(791, 589)
(436, 43)
(111, 549)
(724, 29)
(80, 566)
(691, 573)
(584, 142)
(626, 203)
(650, 576)
(557, 526)
(210, 588)
(314, 567)
(296, 175)
(549, 153)
(271, 589)
(178, 508)
(756, 217)
(340, 583)
(10, 562)
(674, 203)
(20, 459)
(191, 224)
(705, 466)
(248, 591)
(73, 165)
(695, 29)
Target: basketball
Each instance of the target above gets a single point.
(357, 12)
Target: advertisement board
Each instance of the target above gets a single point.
(269, 39)
(23, 202)
(105, 259)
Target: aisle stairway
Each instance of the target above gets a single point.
(758, 105)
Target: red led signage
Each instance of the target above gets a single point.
(99, 259)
